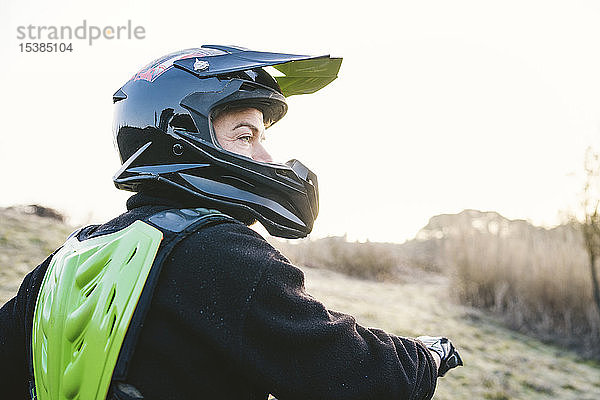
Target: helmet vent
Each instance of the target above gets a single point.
(119, 95)
(183, 121)
(247, 87)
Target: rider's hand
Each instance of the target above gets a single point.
(448, 355)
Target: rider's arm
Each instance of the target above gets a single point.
(239, 311)
(15, 336)
(306, 351)
(13, 367)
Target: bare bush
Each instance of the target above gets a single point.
(369, 260)
(537, 279)
(591, 221)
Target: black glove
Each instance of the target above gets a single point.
(444, 348)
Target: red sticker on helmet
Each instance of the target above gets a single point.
(153, 70)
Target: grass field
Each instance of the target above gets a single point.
(26, 240)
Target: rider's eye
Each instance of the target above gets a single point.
(245, 138)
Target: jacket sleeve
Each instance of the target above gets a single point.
(15, 336)
(13, 361)
(305, 351)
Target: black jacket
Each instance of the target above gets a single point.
(230, 319)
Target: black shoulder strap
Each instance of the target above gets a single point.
(176, 225)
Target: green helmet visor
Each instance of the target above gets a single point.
(307, 76)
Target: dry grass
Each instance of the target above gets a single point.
(537, 279)
(376, 261)
(26, 239)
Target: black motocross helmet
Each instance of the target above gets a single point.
(164, 134)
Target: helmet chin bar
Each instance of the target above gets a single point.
(283, 197)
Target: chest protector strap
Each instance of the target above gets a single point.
(93, 301)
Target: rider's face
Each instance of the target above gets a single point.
(242, 131)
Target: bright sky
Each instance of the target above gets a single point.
(439, 106)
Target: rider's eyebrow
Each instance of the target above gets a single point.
(247, 124)
(255, 130)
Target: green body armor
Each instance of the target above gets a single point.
(89, 297)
